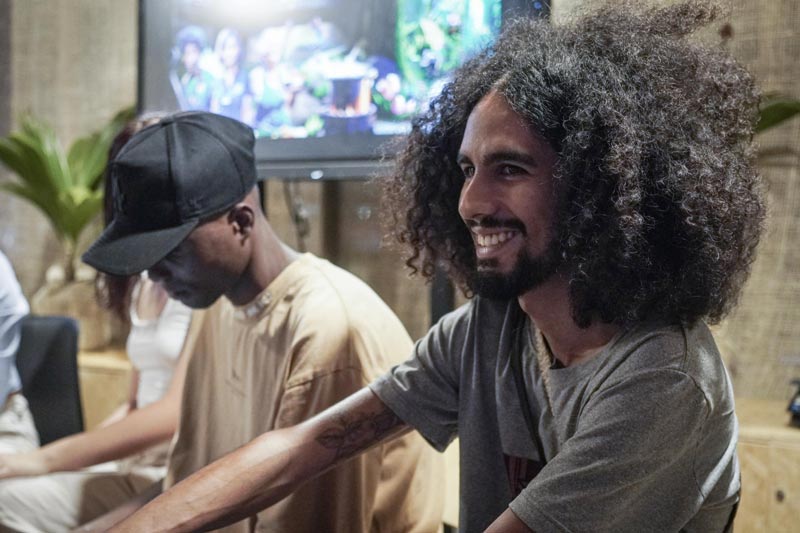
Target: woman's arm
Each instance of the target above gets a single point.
(126, 408)
(140, 429)
(269, 468)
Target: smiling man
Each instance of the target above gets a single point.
(592, 186)
(285, 336)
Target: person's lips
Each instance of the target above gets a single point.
(491, 243)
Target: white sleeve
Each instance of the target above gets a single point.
(13, 307)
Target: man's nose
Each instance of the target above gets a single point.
(477, 199)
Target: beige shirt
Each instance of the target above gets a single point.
(319, 335)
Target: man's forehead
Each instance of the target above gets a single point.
(494, 126)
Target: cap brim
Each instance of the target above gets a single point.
(119, 252)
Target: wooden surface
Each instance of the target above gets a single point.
(769, 456)
(105, 382)
(762, 421)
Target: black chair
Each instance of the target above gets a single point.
(47, 361)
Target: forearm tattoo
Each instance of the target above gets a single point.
(356, 433)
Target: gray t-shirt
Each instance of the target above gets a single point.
(642, 437)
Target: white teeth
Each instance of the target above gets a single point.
(493, 239)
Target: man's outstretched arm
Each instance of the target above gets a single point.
(269, 468)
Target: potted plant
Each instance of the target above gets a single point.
(67, 187)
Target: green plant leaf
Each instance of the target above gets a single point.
(87, 159)
(66, 188)
(49, 205)
(84, 207)
(88, 155)
(31, 168)
(42, 138)
(13, 157)
(776, 111)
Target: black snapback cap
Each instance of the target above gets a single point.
(187, 168)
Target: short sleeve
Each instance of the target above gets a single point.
(13, 307)
(424, 391)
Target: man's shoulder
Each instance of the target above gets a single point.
(312, 272)
(686, 348)
(329, 302)
(322, 288)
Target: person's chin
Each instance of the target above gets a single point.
(197, 301)
(494, 268)
(494, 284)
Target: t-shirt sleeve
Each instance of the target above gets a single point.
(13, 307)
(423, 391)
(633, 449)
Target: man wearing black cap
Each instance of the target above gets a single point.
(293, 335)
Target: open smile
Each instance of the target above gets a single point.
(488, 244)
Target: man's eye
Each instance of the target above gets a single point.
(510, 170)
(468, 171)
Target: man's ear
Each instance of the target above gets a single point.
(242, 219)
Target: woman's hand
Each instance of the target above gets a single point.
(22, 464)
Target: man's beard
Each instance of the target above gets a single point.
(528, 272)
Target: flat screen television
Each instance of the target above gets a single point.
(324, 83)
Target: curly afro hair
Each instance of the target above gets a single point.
(662, 206)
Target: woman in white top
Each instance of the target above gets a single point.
(135, 437)
(158, 329)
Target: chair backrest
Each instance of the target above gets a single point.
(47, 361)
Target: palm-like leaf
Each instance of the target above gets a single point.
(776, 109)
(88, 155)
(67, 188)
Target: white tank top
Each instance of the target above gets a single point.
(154, 346)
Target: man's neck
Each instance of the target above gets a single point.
(270, 257)
(548, 306)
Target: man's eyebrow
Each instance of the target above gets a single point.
(503, 156)
(511, 156)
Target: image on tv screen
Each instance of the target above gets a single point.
(320, 68)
